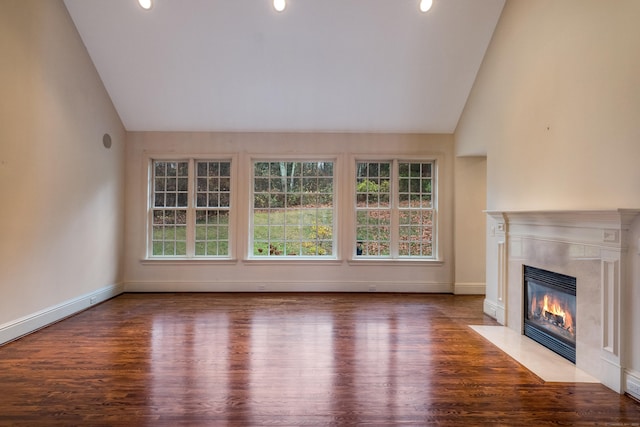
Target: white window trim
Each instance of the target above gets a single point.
(435, 259)
(148, 257)
(250, 258)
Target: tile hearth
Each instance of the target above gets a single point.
(541, 361)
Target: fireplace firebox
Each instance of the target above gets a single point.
(550, 310)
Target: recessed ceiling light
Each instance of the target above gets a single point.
(425, 5)
(279, 5)
(145, 4)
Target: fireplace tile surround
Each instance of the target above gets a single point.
(593, 247)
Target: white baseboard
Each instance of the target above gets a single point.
(31, 323)
(398, 287)
(469, 288)
(612, 375)
(492, 309)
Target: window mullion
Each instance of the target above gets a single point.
(191, 206)
(395, 206)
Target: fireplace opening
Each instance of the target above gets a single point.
(550, 310)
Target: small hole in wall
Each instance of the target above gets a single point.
(106, 140)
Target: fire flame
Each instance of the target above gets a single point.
(553, 307)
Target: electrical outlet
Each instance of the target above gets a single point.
(92, 300)
(372, 288)
(262, 288)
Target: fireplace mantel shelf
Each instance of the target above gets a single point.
(594, 218)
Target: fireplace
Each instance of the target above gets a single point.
(597, 247)
(550, 310)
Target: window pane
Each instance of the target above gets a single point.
(373, 209)
(310, 185)
(210, 235)
(309, 200)
(261, 169)
(201, 249)
(168, 234)
(211, 177)
(416, 221)
(293, 209)
(160, 169)
(225, 169)
(223, 217)
(261, 201)
(225, 184)
(416, 229)
(225, 200)
(276, 201)
(292, 200)
(261, 185)
(159, 200)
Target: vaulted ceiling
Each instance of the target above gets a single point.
(319, 66)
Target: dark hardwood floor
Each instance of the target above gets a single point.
(285, 359)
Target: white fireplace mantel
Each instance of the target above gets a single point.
(591, 245)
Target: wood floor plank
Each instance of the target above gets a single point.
(285, 359)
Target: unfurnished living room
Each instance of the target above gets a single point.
(319, 212)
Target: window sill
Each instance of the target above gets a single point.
(292, 261)
(188, 261)
(403, 262)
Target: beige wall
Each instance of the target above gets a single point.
(469, 222)
(282, 275)
(61, 219)
(556, 108)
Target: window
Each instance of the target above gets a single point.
(190, 204)
(293, 209)
(394, 209)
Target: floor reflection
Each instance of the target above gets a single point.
(329, 358)
(202, 359)
(302, 372)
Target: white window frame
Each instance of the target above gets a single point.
(335, 207)
(191, 206)
(395, 209)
